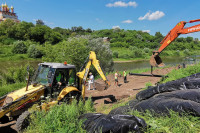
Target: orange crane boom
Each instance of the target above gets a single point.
(155, 60)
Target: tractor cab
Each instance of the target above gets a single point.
(55, 77)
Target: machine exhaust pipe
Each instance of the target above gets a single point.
(156, 61)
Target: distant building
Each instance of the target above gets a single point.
(106, 39)
(6, 12)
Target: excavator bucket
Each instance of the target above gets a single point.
(101, 86)
(156, 61)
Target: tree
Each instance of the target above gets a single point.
(76, 49)
(6, 28)
(53, 37)
(103, 52)
(189, 39)
(38, 32)
(39, 22)
(158, 37)
(22, 30)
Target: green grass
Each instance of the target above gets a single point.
(181, 73)
(60, 118)
(8, 88)
(174, 123)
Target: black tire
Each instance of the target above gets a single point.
(23, 121)
(4, 119)
(71, 96)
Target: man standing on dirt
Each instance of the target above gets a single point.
(125, 76)
(91, 81)
(116, 78)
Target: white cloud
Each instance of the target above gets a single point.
(115, 27)
(122, 4)
(127, 21)
(146, 31)
(99, 20)
(152, 16)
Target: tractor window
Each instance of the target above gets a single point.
(72, 77)
(43, 76)
(66, 77)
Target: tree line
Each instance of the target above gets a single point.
(31, 39)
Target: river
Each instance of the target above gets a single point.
(120, 66)
(131, 65)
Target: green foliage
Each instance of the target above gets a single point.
(186, 52)
(147, 85)
(60, 118)
(19, 47)
(115, 54)
(34, 52)
(7, 28)
(5, 89)
(103, 52)
(76, 50)
(6, 40)
(16, 75)
(174, 123)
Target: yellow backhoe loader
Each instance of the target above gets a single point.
(54, 82)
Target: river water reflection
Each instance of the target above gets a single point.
(145, 64)
(7, 64)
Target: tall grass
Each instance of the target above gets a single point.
(60, 118)
(181, 73)
(173, 123)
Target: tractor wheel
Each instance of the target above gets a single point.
(74, 95)
(4, 119)
(23, 121)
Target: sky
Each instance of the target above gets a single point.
(146, 15)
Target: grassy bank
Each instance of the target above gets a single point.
(181, 73)
(174, 123)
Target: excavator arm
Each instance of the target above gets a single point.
(84, 73)
(155, 60)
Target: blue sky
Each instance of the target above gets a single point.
(145, 15)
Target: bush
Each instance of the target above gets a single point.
(138, 53)
(115, 54)
(177, 53)
(19, 47)
(8, 41)
(186, 52)
(16, 75)
(34, 52)
(146, 50)
(125, 56)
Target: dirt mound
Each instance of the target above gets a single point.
(100, 85)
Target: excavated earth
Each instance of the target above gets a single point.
(116, 93)
(113, 94)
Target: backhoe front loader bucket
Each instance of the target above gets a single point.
(156, 61)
